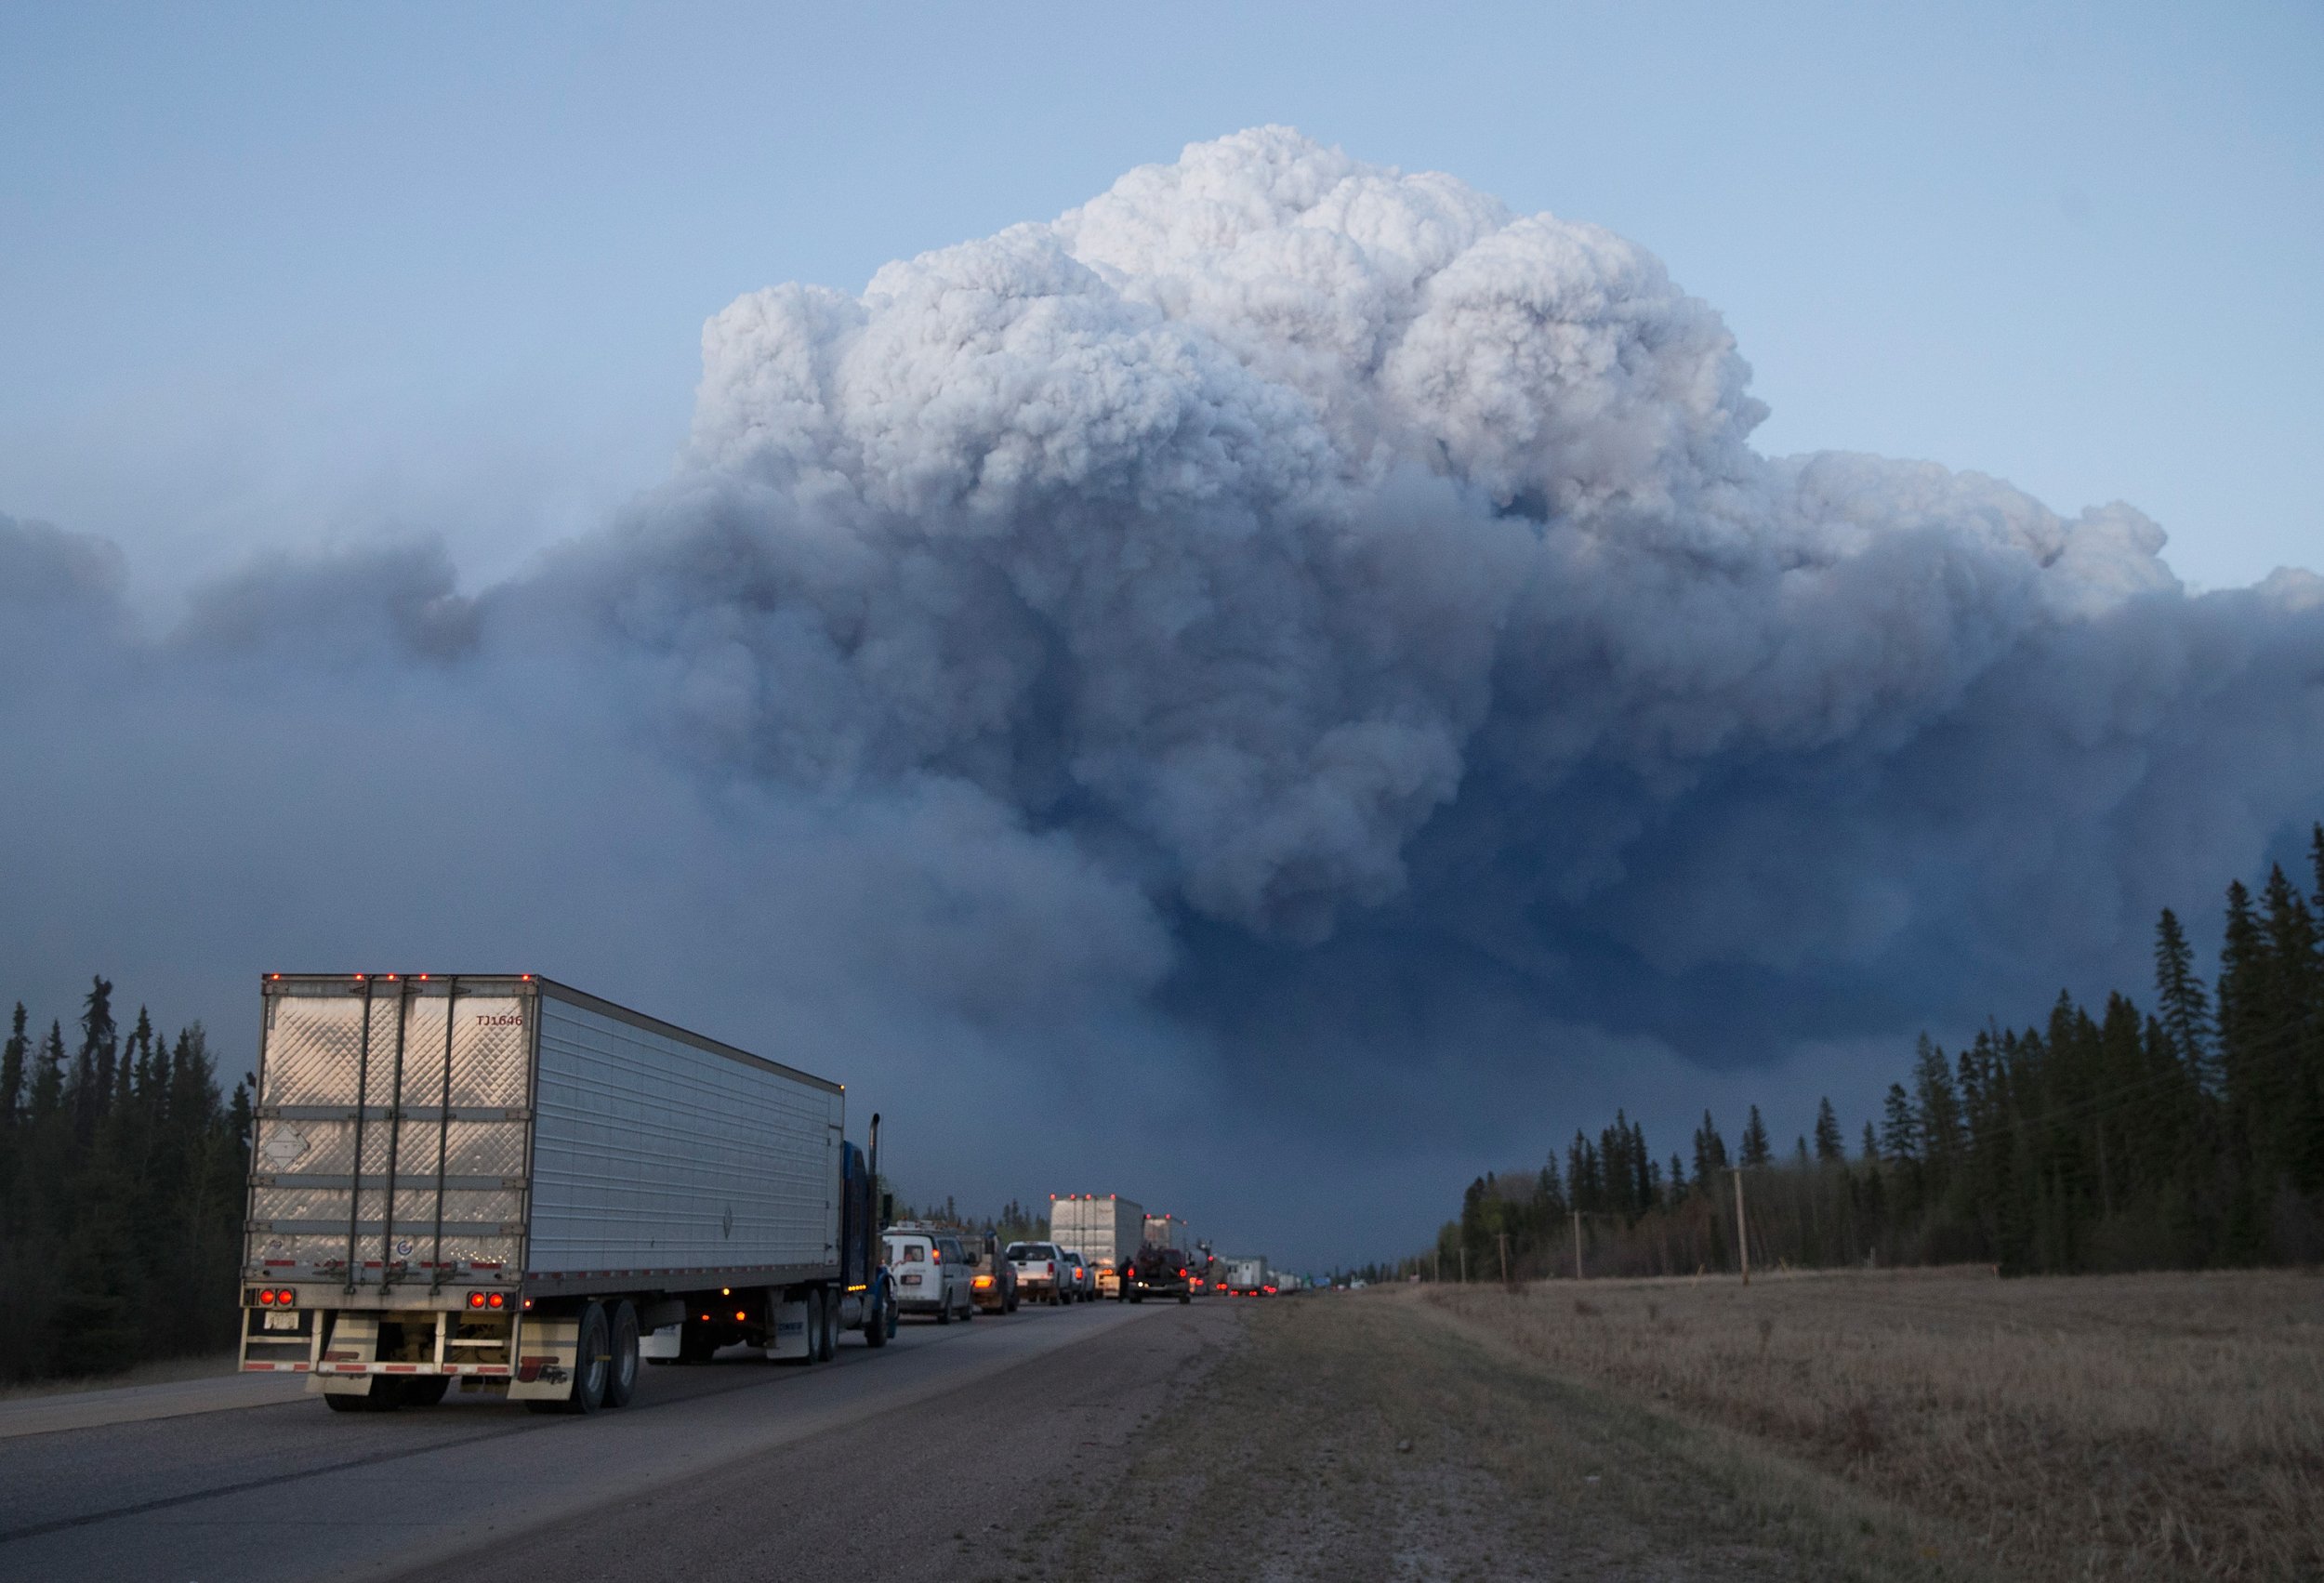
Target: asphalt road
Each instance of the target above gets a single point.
(741, 1461)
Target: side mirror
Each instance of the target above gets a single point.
(887, 1207)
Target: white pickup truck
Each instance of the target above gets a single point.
(1043, 1273)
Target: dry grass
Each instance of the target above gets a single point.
(1371, 1437)
(2129, 1427)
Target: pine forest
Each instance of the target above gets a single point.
(121, 1196)
(2186, 1135)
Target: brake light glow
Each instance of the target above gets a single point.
(266, 1299)
(476, 1300)
(740, 1317)
(496, 1301)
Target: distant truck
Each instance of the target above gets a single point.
(1158, 1272)
(502, 1181)
(1105, 1231)
(1247, 1276)
(1167, 1231)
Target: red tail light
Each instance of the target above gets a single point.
(1182, 1271)
(285, 1298)
(476, 1300)
(740, 1317)
(266, 1299)
(496, 1301)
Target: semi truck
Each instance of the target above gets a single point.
(500, 1181)
(1167, 1231)
(1104, 1231)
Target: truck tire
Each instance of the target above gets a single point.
(1186, 1297)
(880, 1323)
(590, 1365)
(968, 1309)
(621, 1374)
(384, 1396)
(425, 1389)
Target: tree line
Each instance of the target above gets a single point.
(122, 1172)
(2186, 1135)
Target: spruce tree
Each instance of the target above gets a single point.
(48, 1075)
(1937, 1108)
(1900, 1130)
(2184, 1003)
(1871, 1151)
(1756, 1152)
(1830, 1147)
(1710, 1151)
(12, 1071)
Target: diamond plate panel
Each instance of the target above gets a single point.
(491, 1052)
(423, 1047)
(313, 1043)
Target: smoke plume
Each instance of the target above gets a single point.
(1288, 653)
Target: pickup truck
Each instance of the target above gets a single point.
(1043, 1275)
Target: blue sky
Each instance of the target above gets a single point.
(280, 274)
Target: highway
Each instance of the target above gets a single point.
(709, 1465)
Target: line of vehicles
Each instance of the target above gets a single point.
(502, 1184)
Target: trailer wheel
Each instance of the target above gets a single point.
(830, 1327)
(621, 1374)
(591, 1365)
(1186, 1297)
(425, 1389)
(880, 1323)
(816, 1321)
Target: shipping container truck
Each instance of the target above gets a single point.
(500, 1181)
(1247, 1276)
(1104, 1231)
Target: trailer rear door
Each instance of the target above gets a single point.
(393, 1125)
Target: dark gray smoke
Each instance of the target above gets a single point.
(1287, 663)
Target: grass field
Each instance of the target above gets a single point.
(1375, 1436)
(2121, 1426)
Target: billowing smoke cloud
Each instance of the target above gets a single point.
(1288, 646)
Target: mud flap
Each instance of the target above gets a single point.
(544, 1354)
(789, 1340)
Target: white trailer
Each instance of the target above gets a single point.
(502, 1181)
(1105, 1231)
(1247, 1275)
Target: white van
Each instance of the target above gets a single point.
(930, 1272)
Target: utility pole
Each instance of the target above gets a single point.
(1577, 1244)
(1504, 1258)
(1742, 1237)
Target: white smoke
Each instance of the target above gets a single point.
(1286, 613)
